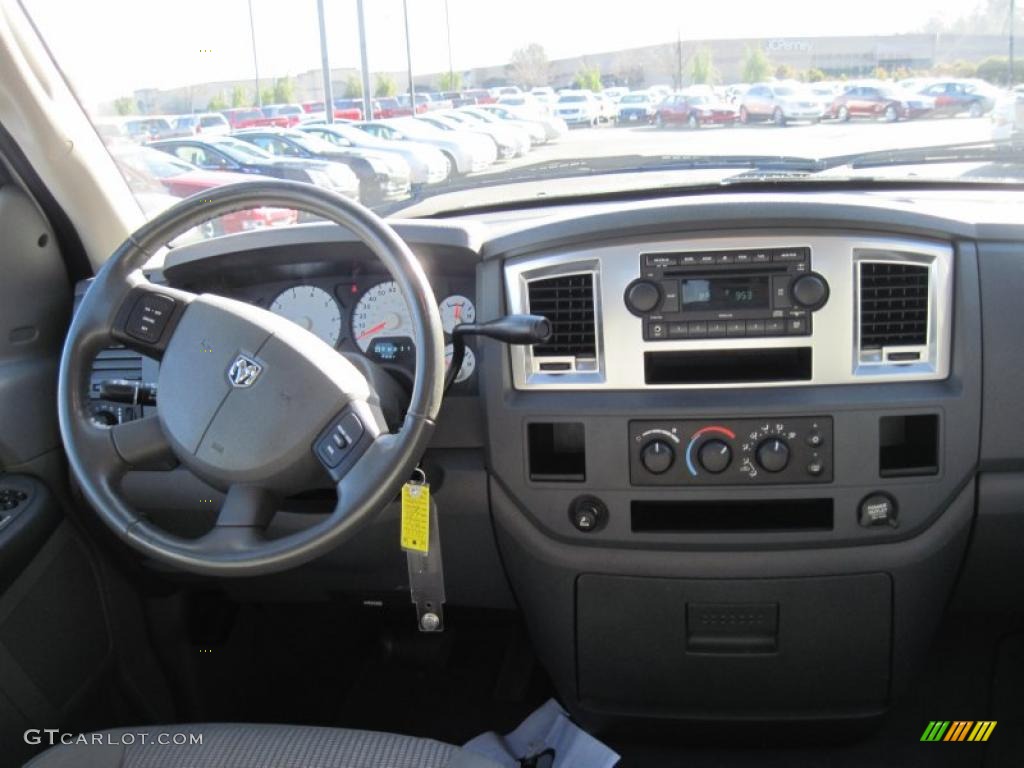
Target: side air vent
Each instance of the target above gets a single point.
(893, 305)
(568, 302)
(116, 363)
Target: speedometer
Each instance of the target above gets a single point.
(312, 308)
(381, 312)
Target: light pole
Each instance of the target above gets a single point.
(255, 61)
(367, 105)
(326, 65)
(448, 28)
(408, 57)
(1013, 13)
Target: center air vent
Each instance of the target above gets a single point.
(893, 306)
(567, 301)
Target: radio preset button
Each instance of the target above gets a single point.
(716, 328)
(755, 327)
(774, 327)
(736, 328)
(762, 257)
(678, 330)
(706, 258)
(698, 329)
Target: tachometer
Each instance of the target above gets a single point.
(454, 310)
(312, 308)
(381, 311)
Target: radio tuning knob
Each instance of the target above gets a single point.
(642, 296)
(809, 291)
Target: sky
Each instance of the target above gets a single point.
(109, 48)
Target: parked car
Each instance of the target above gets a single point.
(879, 101)
(427, 165)
(467, 152)
(182, 179)
(1008, 116)
(637, 107)
(292, 113)
(578, 108)
(250, 117)
(693, 111)
(526, 101)
(228, 154)
(533, 129)
(615, 93)
(317, 108)
(544, 94)
(479, 96)
(510, 140)
(422, 103)
(957, 97)
(143, 129)
(204, 122)
(381, 177)
(608, 108)
(780, 103)
(554, 127)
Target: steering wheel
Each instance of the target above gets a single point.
(248, 401)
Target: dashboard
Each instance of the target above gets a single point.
(768, 436)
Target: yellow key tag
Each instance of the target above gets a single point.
(416, 517)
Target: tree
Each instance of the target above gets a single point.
(386, 86)
(702, 68)
(755, 65)
(588, 79)
(125, 105)
(267, 96)
(814, 75)
(785, 72)
(530, 65)
(239, 97)
(450, 81)
(284, 90)
(353, 87)
(217, 103)
(880, 73)
(995, 69)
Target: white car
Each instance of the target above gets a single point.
(544, 94)
(532, 129)
(511, 141)
(579, 108)
(780, 103)
(637, 107)
(1008, 116)
(554, 127)
(427, 164)
(615, 93)
(467, 152)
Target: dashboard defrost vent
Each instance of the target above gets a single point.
(568, 302)
(116, 363)
(893, 307)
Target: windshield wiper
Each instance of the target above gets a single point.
(1004, 150)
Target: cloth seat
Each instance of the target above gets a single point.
(240, 745)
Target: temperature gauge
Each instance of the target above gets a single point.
(468, 363)
(454, 310)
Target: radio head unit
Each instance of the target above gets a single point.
(736, 293)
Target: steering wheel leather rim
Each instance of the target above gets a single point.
(99, 457)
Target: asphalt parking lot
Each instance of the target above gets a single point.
(803, 140)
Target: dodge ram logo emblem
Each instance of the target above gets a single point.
(244, 372)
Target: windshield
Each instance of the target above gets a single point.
(798, 95)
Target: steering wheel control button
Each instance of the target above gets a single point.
(10, 498)
(809, 291)
(715, 456)
(657, 456)
(149, 317)
(642, 296)
(878, 509)
(338, 439)
(773, 455)
(588, 514)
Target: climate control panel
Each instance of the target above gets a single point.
(731, 451)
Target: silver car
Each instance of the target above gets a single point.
(467, 152)
(780, 103)
(427, 164)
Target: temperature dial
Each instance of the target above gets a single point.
(715, 456)
(657, 456)
(773, 455)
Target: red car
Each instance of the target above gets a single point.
(250, 117)
(693, 111)
(145, 168)
(479, 96)
(340, 113)
(884, 102)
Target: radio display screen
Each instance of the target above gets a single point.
(724, 293)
